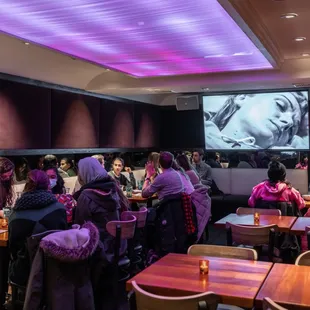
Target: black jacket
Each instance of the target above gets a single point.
(34, 212)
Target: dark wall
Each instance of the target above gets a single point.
(24, 116)
(181, 129)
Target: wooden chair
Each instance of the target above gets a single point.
(222, 251)
(121, 230)
(268, 304)
(303, 259)
(143, 300)
(137, 243)
(241, 211)
(252, 236)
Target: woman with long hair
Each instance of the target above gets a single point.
(6, 183)
(67, 165)
(183, 161)
(57, 186)
(303, 164)
(36, 211)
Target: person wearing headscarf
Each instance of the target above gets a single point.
(98, 201)
(36, 211)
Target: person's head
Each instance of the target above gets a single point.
(154, 158)
(40, 163)
(57, 183)
(166, 160)
(6, 181)
(211, 156)
(117, 166)
(273, 119)
(21, 169)
(66, 164)
(90, 170)
(100, 158)
(304, 159)
(197, 156)
(184, 162)
(50, 161)
(276, 172)
(36, 180)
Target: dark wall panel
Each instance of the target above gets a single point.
(116, 124)
(181, 129)
(75, 120)
(147, 126)
(24, 116)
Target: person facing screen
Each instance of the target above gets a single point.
(259, 121)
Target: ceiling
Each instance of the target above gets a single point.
(260, 20)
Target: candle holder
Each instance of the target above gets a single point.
(256, 218)
(203, 267)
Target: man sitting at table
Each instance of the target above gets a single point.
(167, 183)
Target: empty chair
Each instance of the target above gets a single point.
(241, 211)
(143, 300)
(268, 304)
(303, 259)
(222, 251)
(252, 236)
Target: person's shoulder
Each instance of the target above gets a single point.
(260, 185)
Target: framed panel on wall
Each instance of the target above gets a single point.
(116, 124)
(75, 120)
(24, 116)
(147, 126)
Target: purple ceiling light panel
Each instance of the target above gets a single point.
(140, 37)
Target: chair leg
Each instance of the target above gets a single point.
(132, 300)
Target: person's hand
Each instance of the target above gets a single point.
(150, 170)
(128, 169)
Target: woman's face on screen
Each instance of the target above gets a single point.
(272, 119)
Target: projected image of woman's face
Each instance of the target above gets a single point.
(272, 119)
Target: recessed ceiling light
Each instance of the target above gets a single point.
(289, 15)
(26, 43)
(299, 39)
(305, 54)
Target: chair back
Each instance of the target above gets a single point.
(126, 225)
(268, 304)
(303, 259)
(241, 211)
(148, 301)
(222, 251)
(140, 216)
(251, 235)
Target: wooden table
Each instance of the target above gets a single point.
(299, 226)
(4, 239)
(307, 204)
(284, 222)
(287, 285)
(137, 198)
(237, 281)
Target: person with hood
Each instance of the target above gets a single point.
(60, 274)
(276, 189)
(36, 211)
(98, 201)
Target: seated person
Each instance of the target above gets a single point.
(204, 171)
(52, 161)
(167, 183)
(276, 188)
(67, 165)
(116, 173)
(188, 186)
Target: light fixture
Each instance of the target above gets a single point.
(205, 88)
(289, 15)
(26, 43)
(305, 54)
(299, 39)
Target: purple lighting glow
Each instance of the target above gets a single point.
(140, 37)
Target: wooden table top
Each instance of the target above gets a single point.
(4, 238)
(299, 226)
(139, 198)
(287, 285)
(237, 281)
(284, 222)
(307, 203)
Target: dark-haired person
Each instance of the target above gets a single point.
(187, 184)
(183, 161)
(21, 169)
(6, 183)
(67, 165)
(303, 164)
(276, 189)
(259, 121)
(57, 186)
(116, 173)
(52, 161)
(167, 183)
(36, 211)
(204, 170)
(213, 160)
